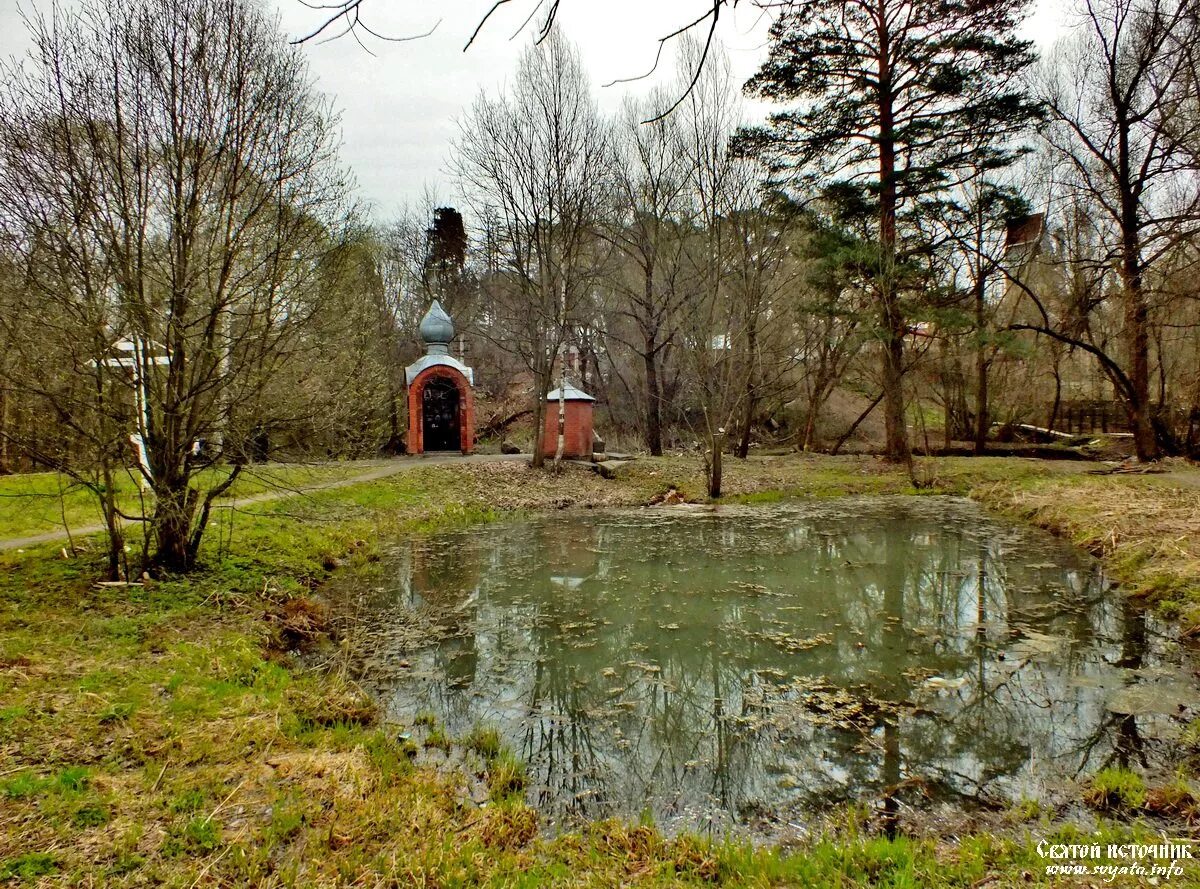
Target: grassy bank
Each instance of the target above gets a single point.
(161, 733)
(1145, 529)
(41, 502)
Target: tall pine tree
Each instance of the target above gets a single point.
(894, 103)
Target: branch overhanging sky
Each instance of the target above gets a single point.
(400, 101)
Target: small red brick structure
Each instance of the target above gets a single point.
(441, 404)
(577, 428)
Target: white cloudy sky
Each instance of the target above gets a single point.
(399, 106)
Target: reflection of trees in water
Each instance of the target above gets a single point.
(448, 585)
(597, 741)
(1117, 738)
(1020, 720)
(1001, 718)
(644, 660)
(434, 580)
(1128, 747)
(558, 738)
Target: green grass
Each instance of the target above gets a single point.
(156, 734)
(506, 777)
(38, 503)
(437, 738)
(28, 867)
(484, 740)
(1116, 789)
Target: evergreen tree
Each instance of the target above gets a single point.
(895, 102)
(446, 248)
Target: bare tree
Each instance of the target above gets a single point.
(10, 337)
(169, 177)
(402, 261)
(1119, 94)
(737, 254)
(57, 359)
(536, 164)
(971, 225)
(649, 229)
(765, 269)
(834, 301)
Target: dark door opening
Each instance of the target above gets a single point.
(439, 413)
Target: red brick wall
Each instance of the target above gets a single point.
(577, 431)
(466, 408)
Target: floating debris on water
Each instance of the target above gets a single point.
(754, 665)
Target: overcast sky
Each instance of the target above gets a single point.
(399, 106)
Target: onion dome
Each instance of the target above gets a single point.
(437, 330)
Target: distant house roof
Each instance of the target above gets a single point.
(1024, 230)
(569, 393)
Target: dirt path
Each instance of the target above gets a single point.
(382, 470)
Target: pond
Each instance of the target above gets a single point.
(713, 667)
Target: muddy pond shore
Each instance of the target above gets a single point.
(165, 732)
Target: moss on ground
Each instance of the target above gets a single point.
(156, 734)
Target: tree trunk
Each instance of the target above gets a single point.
(1136, 333)
(116, 539)
(197, 531)
(5, 468)
(846, 435)
(894, 328)
(714, 465)
(816, 400)
(896, 447)
(810, 424)
(650, 331)
(498, 425)
(175, 502)
(539, 415)
(653, 399)
(561, 413)
(1137, 338)
(982, 420)
(1057, 406)
(743, 448)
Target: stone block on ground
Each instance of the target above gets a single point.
(610, 468)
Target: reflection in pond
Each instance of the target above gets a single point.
(715, 666)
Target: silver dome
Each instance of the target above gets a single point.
(437, 330)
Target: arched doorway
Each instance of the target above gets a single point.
(440, 415)
(441, 406)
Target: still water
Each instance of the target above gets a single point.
(714, 667)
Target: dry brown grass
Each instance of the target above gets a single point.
(150, 737)
(1146, 529)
